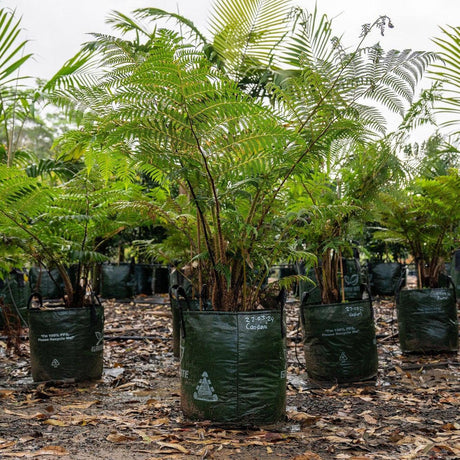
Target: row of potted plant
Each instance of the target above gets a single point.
(248, 149)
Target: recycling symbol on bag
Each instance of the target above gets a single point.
(55, 363)
(351, 280)
(204, 389)
(99, 337)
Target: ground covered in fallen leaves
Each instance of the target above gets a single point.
(411, 411)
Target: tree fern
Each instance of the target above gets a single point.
(447, 74)
(219, 156)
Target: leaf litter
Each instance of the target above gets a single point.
(410, 411)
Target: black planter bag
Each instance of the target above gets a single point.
(385, 278)
(15, 293)
(66, 344)
(116, 281)
(143, 279)
(233, 366)
(160, 279)
(47, 282)
(339, 341)
(427, 320)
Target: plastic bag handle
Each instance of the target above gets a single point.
(38, 296)
(451, 281)
(181, 292)
(93, 306)
(368, 290)
(399, 286)
(282, 296)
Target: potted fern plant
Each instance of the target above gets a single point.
(59, 226)
(339, 334)
(193, 116)
(425, 217)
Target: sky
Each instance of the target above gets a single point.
(56, 28)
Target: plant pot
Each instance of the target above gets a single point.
(66, 344)
(160, 279)
(385, 278)
(233, 366)
(339, 341)
(14, 293)
(116, 281)
(143, 274)
(427, 320)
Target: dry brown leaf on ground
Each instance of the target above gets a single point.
(45, 451)
(303, 418)
(83, 405)
(56, 422)
(172, 445)
(4, 444)
(37, 415)
(4, 394)
(307, 456)
(369, 419)
(120, 438)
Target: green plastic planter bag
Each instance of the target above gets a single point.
(427, 320)
(15, 293)
(233, 366)
(339, 341)
(66, 344)
(143, 279)
(117, 281)
(160, 279)
(385, 278)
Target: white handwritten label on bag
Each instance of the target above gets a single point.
(205, 390)
(259, 322)
(354, 311)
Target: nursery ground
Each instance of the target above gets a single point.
(411, 410)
